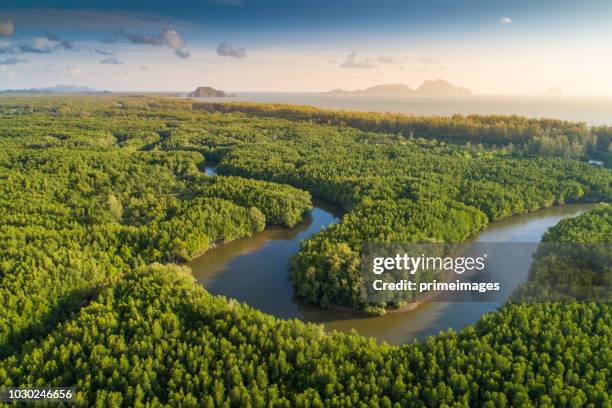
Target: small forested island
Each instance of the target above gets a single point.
(208, 92)
(104, 197)
(438, 87)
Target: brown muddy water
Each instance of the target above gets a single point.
(255, 270)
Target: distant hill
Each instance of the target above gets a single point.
(387, 89)
(439, 87)
(208, 92)
(55, 89)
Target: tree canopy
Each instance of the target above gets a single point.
(102, 197)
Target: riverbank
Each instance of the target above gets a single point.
(255, 270)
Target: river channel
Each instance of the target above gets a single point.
(255, 270)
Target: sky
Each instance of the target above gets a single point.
(489, 46)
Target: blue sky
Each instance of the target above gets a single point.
(489, 46)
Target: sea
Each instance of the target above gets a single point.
(594, 111)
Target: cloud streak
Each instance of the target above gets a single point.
(59, 43)
(42, 45)
(30, 49)
(12, 61)
(111, 61)
(102, 52)
(169, 38)
(226, 49)
(352, 62)
(505, 20)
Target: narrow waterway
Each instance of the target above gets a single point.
(433, 317)
(255, 270)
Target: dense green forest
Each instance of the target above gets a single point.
(575, 261)
(102, 195)
(83, 202)
(543, 137)
(393, 188)
(156, 338)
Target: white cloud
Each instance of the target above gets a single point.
(172, 39)
(352, 62)
(505, 20)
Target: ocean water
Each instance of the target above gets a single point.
(591, 110)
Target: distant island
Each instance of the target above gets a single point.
(438, 87)
(63, 89)
(208, 92)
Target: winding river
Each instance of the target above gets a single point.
(255, 270)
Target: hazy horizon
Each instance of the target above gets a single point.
(536, 95)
